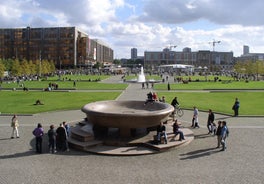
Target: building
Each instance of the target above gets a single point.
(247, 56)
(134, 53)
(210, 60)
(65, 46)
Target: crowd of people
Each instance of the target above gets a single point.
(221, 130)
(57, 139)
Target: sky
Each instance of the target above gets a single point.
(148, 25)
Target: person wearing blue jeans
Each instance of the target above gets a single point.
(161, 132)
(176, 130)
(224, 134)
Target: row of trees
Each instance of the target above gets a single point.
(24, 67)
(250, 68)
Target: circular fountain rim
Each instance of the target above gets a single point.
(134, 112)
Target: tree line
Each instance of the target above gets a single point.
(250, 68)
(24, 67)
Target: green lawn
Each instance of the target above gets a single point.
(251, 102)
(79, 77)
(211, 85)
(22, 102)
(68, 85)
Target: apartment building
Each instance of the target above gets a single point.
(65, 46)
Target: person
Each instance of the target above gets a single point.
(161, 132)
(74, 83)
(218, 133)
(155, 97)
(67, 128)
(195, 122)
(169, 86)
(143, 85)
(224, 134)
(52, 139)
(38, 102)
(236, 107)
(176, 130)
(163, 99)
(61, 138)
(149, 98)
(14, 125)
(210, 121)
(175, 102)
(38, 133)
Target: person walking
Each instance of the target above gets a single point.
(14, 125)
(236, 107)
(195, 121)
(38, 133)
(210, 121)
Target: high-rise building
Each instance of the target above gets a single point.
(245, 50)
(65, 46)
(133, 53)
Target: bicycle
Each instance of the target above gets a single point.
(178, 111)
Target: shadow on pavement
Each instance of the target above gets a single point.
(199, 153)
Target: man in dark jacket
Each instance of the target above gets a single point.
(210, 121)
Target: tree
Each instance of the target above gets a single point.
(45, 67)
(32, 67)
(52, 67)
(25, 68)
(2, 69)
(117, 62)
(16, 69)
(38, 67)
(250, 68)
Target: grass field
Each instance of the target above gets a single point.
(211, 85)
(23, 102)
(67, 85)
(251, 102)
(79, 77)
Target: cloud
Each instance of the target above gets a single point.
(219, 12)
(148, 24)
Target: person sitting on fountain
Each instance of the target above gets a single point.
(155, 97)
(176, 130)
(161, 132)
(149, 98)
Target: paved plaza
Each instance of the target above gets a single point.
(198, 162)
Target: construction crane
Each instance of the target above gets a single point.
(213, 43)
(171, 46)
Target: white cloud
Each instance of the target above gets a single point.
(159, 23)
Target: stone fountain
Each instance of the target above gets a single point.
(127, 115)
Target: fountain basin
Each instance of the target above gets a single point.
(127, 115)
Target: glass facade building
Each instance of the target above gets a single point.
(65, 46)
